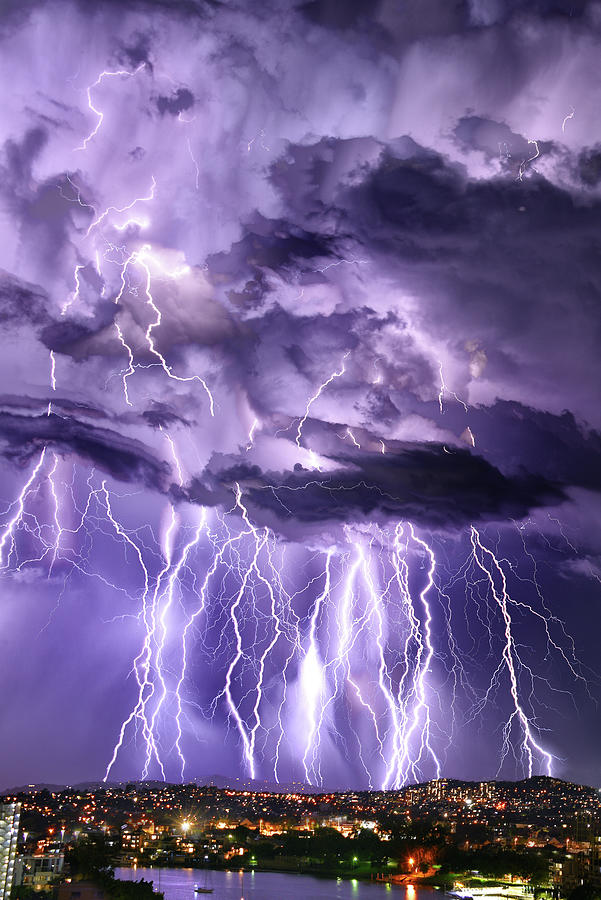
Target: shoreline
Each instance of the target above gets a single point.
(326, 875)
(493, 890)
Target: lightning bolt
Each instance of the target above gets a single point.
(492, 570)
(336, 374)
(122, 209)
(176, 459)
(8, 533)
(74, 296)
(445, 390)
(52, 370)
(194, 162)
(100, 115)
(368, 634)
(353, 438)
(251, 434)
(144, 259)
(569, 116)
(526, 162)
(312, 673)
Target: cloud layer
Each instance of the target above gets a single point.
(343, 258)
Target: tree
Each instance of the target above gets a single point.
(90, 857)
(585, 891)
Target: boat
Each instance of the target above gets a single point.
(205, 887)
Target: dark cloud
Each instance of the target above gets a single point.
(119, 457)
(77, 338)
(495, 139)
(336, 15)
(589, 166)
(21, 302)
(437, 17)
(181, 100)
(556, 447)
(428, 485)
(64, 405)
(160, 416)
(379, 221)
(137, 51)
(272, 244)
(502, 259)
(174, 7)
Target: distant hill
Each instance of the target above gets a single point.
(223, 782)
(227, 782)
(249, 784)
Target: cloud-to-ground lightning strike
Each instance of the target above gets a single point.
(283, 558)
(377, 597)
(491, 568)
(312, 673)
(8, 533)
(349, 618)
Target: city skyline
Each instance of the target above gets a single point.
(540, 835)
(241, 785)
(300, 433)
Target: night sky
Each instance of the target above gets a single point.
(300, 431)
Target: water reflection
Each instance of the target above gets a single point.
(178, 884)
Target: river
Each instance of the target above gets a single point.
(178, 884)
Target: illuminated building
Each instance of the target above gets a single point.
(38, 870)
(9, 830)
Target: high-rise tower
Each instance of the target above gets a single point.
(9, 830)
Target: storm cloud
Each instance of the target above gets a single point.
(312, 268)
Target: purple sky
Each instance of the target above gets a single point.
(300, 422)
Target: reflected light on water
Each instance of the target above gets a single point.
(238, 884)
